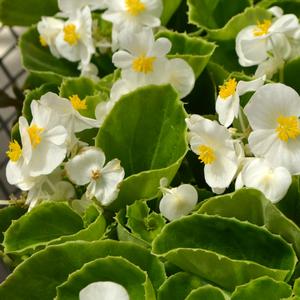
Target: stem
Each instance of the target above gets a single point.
(241, 120)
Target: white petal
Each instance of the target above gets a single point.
(269, 67)
(104, 290)
(249, 86)
(285, 23)
(26, 143)
(107, 187)
(182, 76)
(161, 47)
(81, 123)
(80, 167)
(56, 135)
(122, 59)
(227, 109)
(71, 6)
(178, 202)
(273, 182)
(269, 102)
(276, 11)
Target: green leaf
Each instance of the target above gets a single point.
(170, 8)
(51, 267)
(94, 228)
(251, 205)
(144, 224)
(20, 13)
(194, 50)
(207, 292)
(38, 59)
(249, 17)
(178, 286)
(150, 141)
(225, 251)
(261, 289)
(115, 269)
(124, 234)
(212, 14)
(291, 70)
(36, 94)
(7, 215)
(42, 224)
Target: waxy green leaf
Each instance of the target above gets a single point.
(115, 269)
(225, 251)
(51, 267)
(150, 141)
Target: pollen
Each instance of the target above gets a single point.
(288, 128)
(134, 7)
(43, 41)
(35, 135)
(14, 151)
(71, 36)
(207, 155)
(143, 64)
(262, 28)
(77, 103)
(96, 174)
(228, 88)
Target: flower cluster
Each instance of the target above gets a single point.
(49, 157)
(269, 43)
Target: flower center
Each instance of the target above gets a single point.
(228, 88)
(207, 154)
(134, 7)
(143, 64)
(288, 128)
(14, 151)
(71, 36)
(35, 135)
(43, 41)
(262, 28)
(96, 174)
(77, 103)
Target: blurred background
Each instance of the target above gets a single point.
(11, 79)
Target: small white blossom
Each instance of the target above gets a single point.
(75, 42)
(273, 113)
(178, 202)
(103, 181)
(104, 290)
(258, 173)
(49, 28)
(215, 147)
(269, 43)
(228, 101)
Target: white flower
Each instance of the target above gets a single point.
(142, 55)
(43, 141)
(103, 181)
(273, 113)
(104, 290)
(70, 7)
(258, 173)
(177, 202)
(132, 14)
(49, 28)
(269, 43)
(213, 143)
(75, 42)
(228, 101)
(89, 71)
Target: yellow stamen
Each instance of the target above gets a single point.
(134, 7)
(43, 41)
(228, 88)
(35, 135)
(77, 103)
(71, 36)
(262, 28)
(288, 128)
(207, 154)
(14, 151)
(143, 64)
(96, 174)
